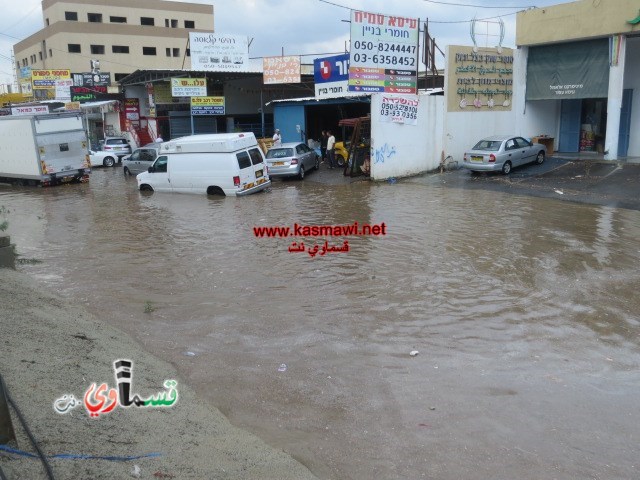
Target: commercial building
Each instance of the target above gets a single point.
(124, 36)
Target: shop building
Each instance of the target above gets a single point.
(583, 74)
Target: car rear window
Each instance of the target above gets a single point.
(243, 160)
(117, 141)
(491, 145)
(256, 156)
(280, 153)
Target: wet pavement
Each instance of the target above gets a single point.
(523, 307)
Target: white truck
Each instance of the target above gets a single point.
(46, 149)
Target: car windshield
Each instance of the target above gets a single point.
(280, 153)
(491, 145)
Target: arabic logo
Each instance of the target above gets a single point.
(99, 400)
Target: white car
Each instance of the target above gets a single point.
(102, 159)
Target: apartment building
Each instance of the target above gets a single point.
(124, 36)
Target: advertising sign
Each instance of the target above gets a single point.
(84, 94)
(207, 105)
(280, 70)
(481, 80)
(46, 79)
(88, 79)
(31, 110)
(331, 75)
(216, 52)
(399, 109)
(384, 53)
(62, 90)
(25, 72)
(189, 87)
(72, 106)
(132, 109)
(26, 89)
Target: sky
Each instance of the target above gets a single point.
(306, 27)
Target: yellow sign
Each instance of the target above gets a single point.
(46, 79)
(189, 87)
(72, 106)
(207, 106)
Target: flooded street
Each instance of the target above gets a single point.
(524, 311)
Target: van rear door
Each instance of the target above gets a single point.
(259, 165)
(247, 177)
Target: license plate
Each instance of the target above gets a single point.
(249, 185)
(476, 159)
(259, 173)
(278, 164)
(262, 180)
(66, 179)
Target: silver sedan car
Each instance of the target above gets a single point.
(291, 159)
(502, 153)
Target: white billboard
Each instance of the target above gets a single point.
(217, 52)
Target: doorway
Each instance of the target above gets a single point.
(583, 123)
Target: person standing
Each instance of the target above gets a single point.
(277, 138)
(331, 143)
(323, 145)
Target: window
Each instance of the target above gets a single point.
(168, 51)
(40, 53)
(71, 16)
(97, 49)
(256, 156)
(94, 17)
(243, 160)
(161, 164)
(50, 53)
(174, 23)
(47, 22)
(176, 52)
(118, 19)
(119, 49)
(188, 52)
(189, 24)
(148, 50)
(147, 21)
(166, 22)
(74, 48)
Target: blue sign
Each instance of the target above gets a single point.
(331, 69)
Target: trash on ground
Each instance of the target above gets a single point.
(413, 353)
(559, 192)
(135, 471)
(189, 354)
(282, 367)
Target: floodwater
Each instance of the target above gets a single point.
(524, 311)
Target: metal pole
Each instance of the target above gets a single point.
(262, 114)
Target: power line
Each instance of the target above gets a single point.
(479, 6)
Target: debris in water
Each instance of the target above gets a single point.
(189, 354)
(559, 192)
(413, 353)
(282, 367)
(135, 471)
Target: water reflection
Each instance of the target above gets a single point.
(502, 294)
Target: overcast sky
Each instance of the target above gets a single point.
(303, 27)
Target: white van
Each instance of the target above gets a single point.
(224, 164)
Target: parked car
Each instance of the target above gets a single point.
(502, 153)
(102, 159)
(141, 159)
(117, 145)
(291, 159)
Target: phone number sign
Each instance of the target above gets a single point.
(383, 48)
(399, 109)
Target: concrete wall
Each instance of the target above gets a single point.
(400, 150)
(575, 21)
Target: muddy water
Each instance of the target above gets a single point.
(524, 311)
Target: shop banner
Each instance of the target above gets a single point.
(88, 79)
(31, 110)
(568, 70)
(46, 79)
(399, 109)
(84, 94)
(189, 87)
(215, 52)
(207, 105)
(331, 75)
(384, 53)
(280, 70)
(63, 92)
(26, 89)
(72, 106)
(132, 109)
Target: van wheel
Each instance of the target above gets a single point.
(301, 173)
(215, 191)
(109, 161)
(146, 188)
